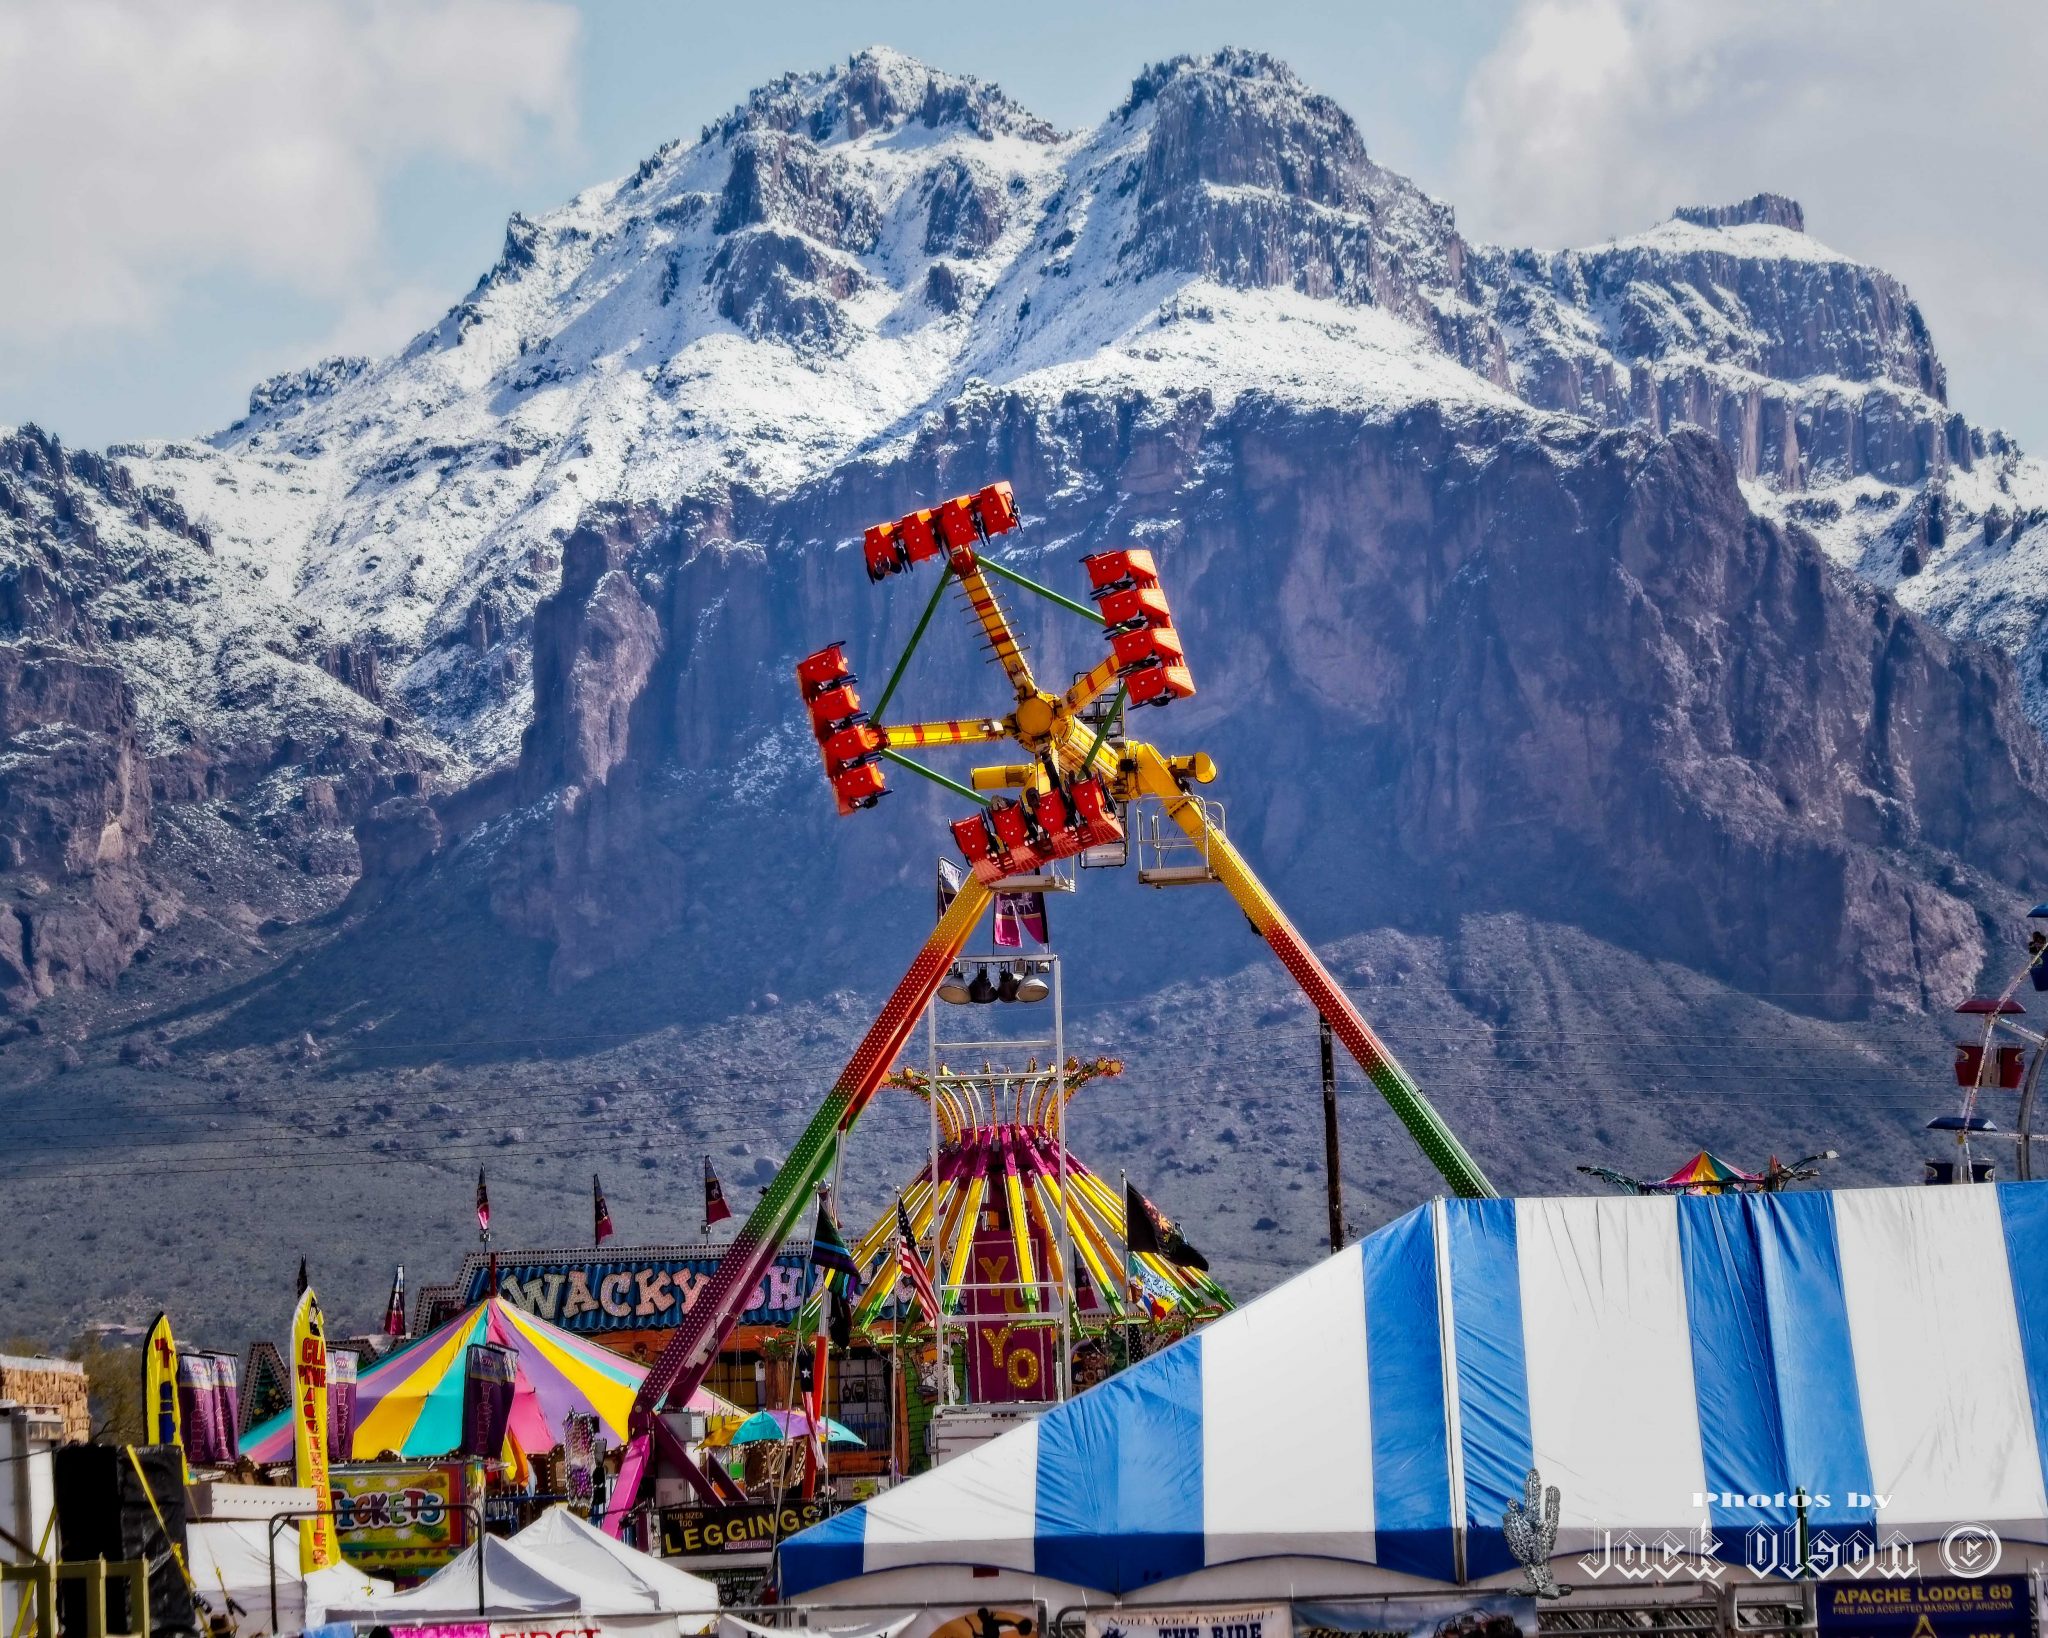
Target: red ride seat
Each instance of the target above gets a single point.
(822, 670)
(884, 552)
(919, 543)
(832, 710)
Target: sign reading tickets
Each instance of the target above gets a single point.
(404, 1517)
(1931, 1607)
(1261, 1621)
(708, 1532)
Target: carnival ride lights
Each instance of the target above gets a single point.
(974, 983)
(1075, 795)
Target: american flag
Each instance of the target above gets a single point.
(914, 1271)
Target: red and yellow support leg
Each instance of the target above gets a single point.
(682, 1365)
(1155, 778)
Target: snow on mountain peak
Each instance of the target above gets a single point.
(851, 250)
(879, 89)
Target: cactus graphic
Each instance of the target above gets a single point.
(1531, 1528)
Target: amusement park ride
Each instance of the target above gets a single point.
(1079, 788)
(2005, 1056)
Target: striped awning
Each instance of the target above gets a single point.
(1671, 1363)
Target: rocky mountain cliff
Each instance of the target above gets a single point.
(1629, 589)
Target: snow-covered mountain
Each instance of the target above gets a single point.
(549, 562)
(851, 251)
(412, 773)
(811, 278)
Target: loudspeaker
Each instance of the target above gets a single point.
(102, 1512)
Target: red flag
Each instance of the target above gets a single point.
(602, 1212)
(483, 1206)
(814, 1412)
(394, 1310)
(914, 1270)
(715, 1208)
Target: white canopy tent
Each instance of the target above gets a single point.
(557, 1566)
(562, 1539)
(231, 1559)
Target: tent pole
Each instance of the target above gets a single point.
(1335, 1174)
(1124, 1178)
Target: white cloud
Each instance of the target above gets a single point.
(153, 144)
(1915, 136)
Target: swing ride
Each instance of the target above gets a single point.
(1081, 788)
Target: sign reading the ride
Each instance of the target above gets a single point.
(1931, 1607)
(711, 1532)
(1262, 1621)
(404, 1517)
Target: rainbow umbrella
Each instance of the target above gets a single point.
(411, 1401)
(1706, 1174)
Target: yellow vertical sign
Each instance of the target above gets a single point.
(160, 1386)
(317, 1548)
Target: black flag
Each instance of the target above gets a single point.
(1148, 1232)
(303, 1281)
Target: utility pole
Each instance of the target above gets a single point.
(1336, 1175)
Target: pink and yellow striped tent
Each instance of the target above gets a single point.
(410, 1402)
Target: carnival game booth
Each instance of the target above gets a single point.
(1673, 1365)
(559, 1572)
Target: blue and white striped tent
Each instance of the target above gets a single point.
(1671, 1364)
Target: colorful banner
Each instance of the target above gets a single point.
(633, 1292)
(404, 1518)
(309, 1430)
(199, 1410)
(1998, 1606)
(227, 1401)
(1262, 1621)
(713, 1532)
(490, 1372)
(341, 1402)
(160, 1386)
(1013, 1348)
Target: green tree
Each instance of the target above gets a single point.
(113, 1380)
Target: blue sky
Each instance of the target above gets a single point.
(222, 189)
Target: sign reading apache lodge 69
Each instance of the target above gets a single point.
(1929, 1607)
